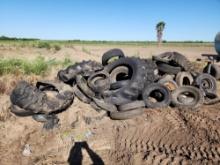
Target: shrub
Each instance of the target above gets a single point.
(57, 47)
(44, 45)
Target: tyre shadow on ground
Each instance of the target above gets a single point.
(76, 157)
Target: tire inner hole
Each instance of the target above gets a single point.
(186, 81)
(186, 97)
(156, 96)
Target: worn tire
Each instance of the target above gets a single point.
(187, 90)
(80, 95)
(168, 69)
(119, 84)
(20, 111)
(123, 115)
(206, 83)
(84, 68)
(113, 53)
(155, 88)
(215, 71)
(99, 81)
(174, 59)
(142, 74)
(82, 84)
(105, 105)
(131, 106)
(184, 78)
(120, 73)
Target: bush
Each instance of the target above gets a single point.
(57, 47)
(44, 45)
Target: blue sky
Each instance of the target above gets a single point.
(110, 19)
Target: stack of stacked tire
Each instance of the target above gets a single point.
(188, 88)
(115, 86)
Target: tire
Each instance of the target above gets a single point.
(99, 81)
(142, 74)
(104, 105)
(126, 114)
(184, 78)
(84, 68)
(206, 83)
(168, 69)
(131, 106)
(80, 95)
(82, 84)
(214, 70)
(152, 90)
(120, 73)
(119, 84)
(181, 61)
(193, 92)
(63, 95)
(167, 80)
(174, 59)
(170, 84)
(113, 53)
(27, 97)
(163, 57)
(20, 111)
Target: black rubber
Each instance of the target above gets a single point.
(80, 95)
(174, 59)
(28, 97)
(84, 68)
(43, 117)
(206, 83)
(113, 53)
(142, 74)
(159, 92)
(123, 115)
(214, 70)
(20, 111)
(131, 106)
(99, 81)
(167, 68)
(190, 91)
(119, 84)
(184, 78)
(82, 84)
(120, 73)
(104, 105)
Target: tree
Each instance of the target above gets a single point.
(160, 27)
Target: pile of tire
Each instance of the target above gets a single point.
(125, 86)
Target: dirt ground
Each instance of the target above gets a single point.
(160, 136)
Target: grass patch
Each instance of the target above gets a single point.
(86, 50)
(38, 66)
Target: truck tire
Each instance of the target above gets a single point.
(113, 53)
(184, 78)
(153, 90)
(191, 91)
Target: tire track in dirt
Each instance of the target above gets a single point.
(168, 139)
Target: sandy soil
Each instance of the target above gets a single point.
(160, 136)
